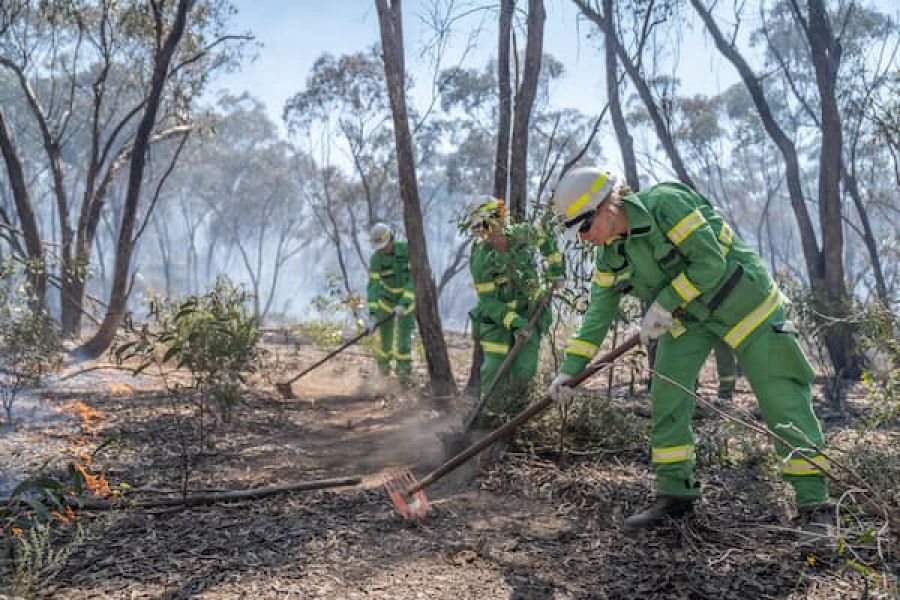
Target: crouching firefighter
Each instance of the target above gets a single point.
(390, 293)
(669, 247)
(509, 288)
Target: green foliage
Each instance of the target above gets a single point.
(29, 343)
(881, 379)
(34, 529)
(323, 335)
(213, 336)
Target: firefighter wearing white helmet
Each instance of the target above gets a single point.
(390, 294)
(668, 246)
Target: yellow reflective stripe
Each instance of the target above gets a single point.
(411, 307)
(677, 329)
(501, 280)
(604, 278)
(373, 305)
(754, 319)
(495, 347)
(386, 306)
(382, 354)
(583, 199)
(673, 454)
(554, 259)
(726, 236)
(685, 227)
(400, 356)
(684, 288)
(509, 318)
(390, 289)
(483, 288)
(408, 294)
(802, 466)
(387, 273)
(582, 348)
(374, 276)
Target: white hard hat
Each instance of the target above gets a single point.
(381, 235)
(580, 193)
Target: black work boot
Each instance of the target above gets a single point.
(665, 506)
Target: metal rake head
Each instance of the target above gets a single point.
(410, 506)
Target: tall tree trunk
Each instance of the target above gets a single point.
(525, 94)
(871, 243)
(125, 244)
(826, 57)
(504, 97)
(390, 18)
(37, 268)
(623, 136)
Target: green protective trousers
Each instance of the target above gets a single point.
(726, 369)
(780, 376)
(511, 394)
(396, 347)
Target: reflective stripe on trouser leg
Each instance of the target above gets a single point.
(780, 376)
(671, 436)
(405, 326)
(386, 346)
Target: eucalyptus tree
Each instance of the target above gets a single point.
(86, 71)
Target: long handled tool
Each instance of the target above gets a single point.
(507, 362)
(409, 499)
(284, 388)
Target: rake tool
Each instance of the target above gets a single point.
(407, 495)
(284, 388)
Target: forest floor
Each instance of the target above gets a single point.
(537, 523)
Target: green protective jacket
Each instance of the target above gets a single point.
(508, 283)
(681, 253)
(390, 282)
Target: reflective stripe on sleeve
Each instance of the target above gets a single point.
(684, 288)
(685, 227)
(580, 347)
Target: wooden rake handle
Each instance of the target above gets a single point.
(340, 349)
(535, 409)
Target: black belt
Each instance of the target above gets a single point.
(726, 289)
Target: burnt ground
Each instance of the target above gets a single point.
(537, 523)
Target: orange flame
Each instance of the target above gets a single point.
(97, 484)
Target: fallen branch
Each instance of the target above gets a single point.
(213, 498)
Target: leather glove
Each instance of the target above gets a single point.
(656, 322)
(560, 390)
(399, 310)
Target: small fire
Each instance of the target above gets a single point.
(97, 484)
(120, 389)
(90, 417)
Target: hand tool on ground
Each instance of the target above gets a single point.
(410, 501)
(284, 388)
(508, 361)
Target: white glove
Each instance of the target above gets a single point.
(656, 322)
(399, 310)
(560, 390)
(525, 332)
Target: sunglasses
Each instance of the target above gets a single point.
(584, 222)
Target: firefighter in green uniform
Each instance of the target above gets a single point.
(669, 247)
(509, 289)
(390, 292)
